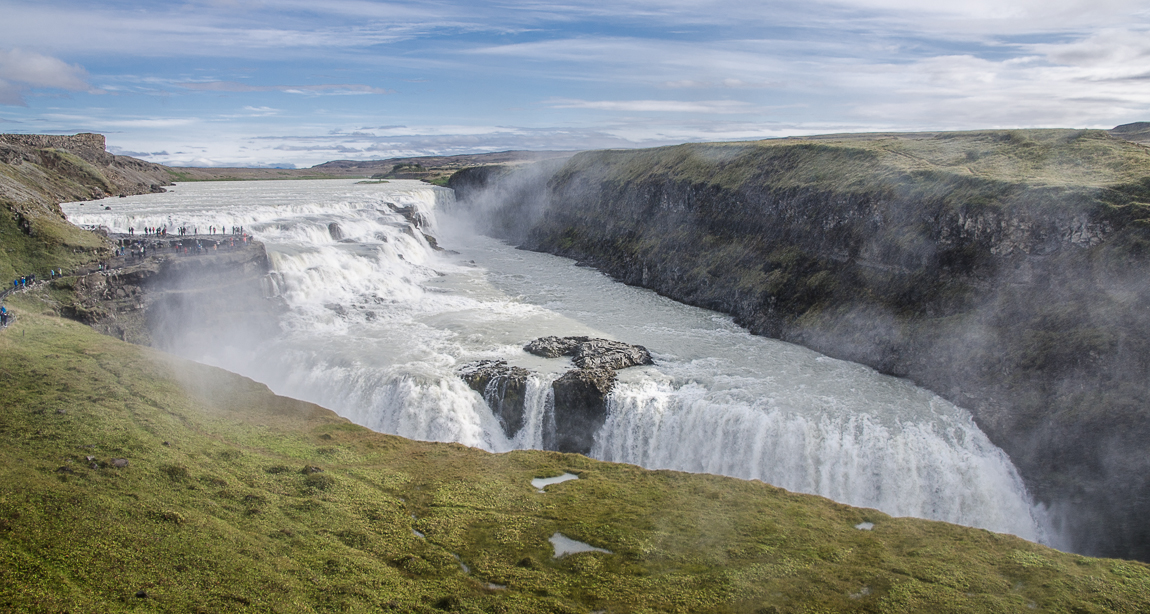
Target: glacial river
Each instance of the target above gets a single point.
(378, 322)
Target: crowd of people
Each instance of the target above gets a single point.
(162, 231)
(23, 282)
(138, 249)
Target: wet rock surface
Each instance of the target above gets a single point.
(554, 347)
(151, 301)
(606, 354)
(588, 353)
(579, 396)
(580, 409)
(503, 387)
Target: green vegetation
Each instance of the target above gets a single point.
(1037, 158)
(234, 499)
(49, 242)
(408, 167)
(134, 481)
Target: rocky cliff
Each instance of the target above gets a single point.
(1004, 270)
(37, 172)
(152, 301)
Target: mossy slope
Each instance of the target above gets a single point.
(220, 508)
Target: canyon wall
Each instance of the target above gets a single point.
(1007, 271)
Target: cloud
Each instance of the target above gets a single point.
(120, 151)
(21, 70)
(325, 89)
(653, 106)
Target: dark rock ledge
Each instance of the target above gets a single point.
(580, 395)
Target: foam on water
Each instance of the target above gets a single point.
(378, 322)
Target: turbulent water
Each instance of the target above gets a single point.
(379, 322)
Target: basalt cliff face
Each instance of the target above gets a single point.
(1007, 271)
(151, 301)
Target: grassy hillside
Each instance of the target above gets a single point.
(432, 169)
(234, 499)
(1047, 158)
(46, 242)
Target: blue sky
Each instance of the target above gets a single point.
(295, 82)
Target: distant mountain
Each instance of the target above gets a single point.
(1137, 132)
(433, 169)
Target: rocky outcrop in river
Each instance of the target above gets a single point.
(579, 396)
(1004, 270)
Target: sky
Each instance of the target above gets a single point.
(300, 82)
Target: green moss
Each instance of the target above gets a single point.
(53, 243)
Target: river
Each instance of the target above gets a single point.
(378, 322)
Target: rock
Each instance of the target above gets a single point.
(335, 231)
(580, 408)
(554, 347)
(503, 388)
(413, 217)
(591, 353)
(119, 463)
(602, 353)
(310, 469)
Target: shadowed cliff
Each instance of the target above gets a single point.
(1004, 270)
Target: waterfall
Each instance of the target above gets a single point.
(945, 469)
(379, 321)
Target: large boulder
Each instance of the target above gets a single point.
(606, 354)
(554, 347)
(580, 408)
(503, 388)
(580, 395)
(591, 353)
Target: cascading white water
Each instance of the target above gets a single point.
(379, 322)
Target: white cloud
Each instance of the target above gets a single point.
(653, 106)
(21, 70)
(328, 89)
